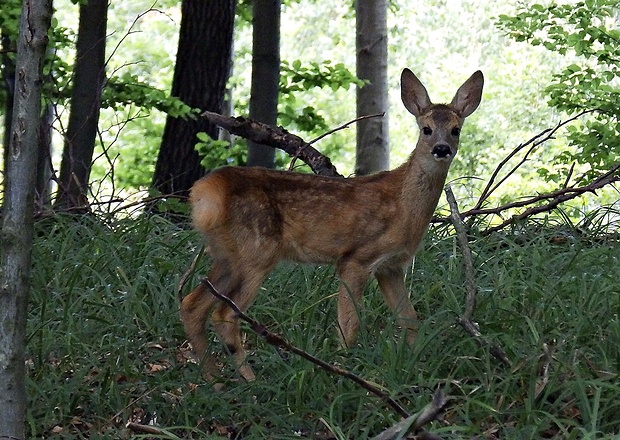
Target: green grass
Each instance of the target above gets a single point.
(105, 344)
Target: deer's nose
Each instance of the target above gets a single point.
(442, 151)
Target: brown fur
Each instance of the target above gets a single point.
(252, 218)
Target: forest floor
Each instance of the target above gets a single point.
(106, 346)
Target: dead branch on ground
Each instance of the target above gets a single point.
(150, 429)
(466, 319)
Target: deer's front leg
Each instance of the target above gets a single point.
(353, 277)
(392, 284)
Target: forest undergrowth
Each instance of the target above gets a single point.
(106, 346)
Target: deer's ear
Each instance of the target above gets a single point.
(413, 93)
(469, 95)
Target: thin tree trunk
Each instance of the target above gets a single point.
(44, 161)
(8, 77)
(373, 151)
(17, 219)
(89, 75)
(265, 75)
(200, 74)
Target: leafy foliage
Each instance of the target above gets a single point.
(587, 30)
(296, 77)
(217, 153)
(129, 90)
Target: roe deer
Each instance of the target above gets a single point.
(252, 218)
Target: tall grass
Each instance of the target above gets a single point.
(106, 346)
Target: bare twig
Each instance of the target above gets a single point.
(342, 127)
(188, 273)
(148, 201)
(346, 125)
(432, 411)
(568, 176)
(279, 341)
(461, 234)
(466, 319)
(555, 197)
(534, 142)
(558, 197)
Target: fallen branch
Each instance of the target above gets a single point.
(276, 137)
(279, 341)
(432, 411)
(466, 319)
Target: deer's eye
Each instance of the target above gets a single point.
(456, 131)
(427, 131)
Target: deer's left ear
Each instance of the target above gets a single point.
(469, 95)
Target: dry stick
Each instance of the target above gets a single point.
(149, 429)
(279, 341)
(432, 411)
(188, 273)
(470, 283)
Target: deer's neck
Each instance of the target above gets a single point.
(423, 182)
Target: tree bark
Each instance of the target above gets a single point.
(17, 219)
(8, 76)
(44, 161)
(88, 79)
(265, 75)
(200, 75)
(372, 151)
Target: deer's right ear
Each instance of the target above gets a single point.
(413, 93)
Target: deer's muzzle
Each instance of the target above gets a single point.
(442, 151)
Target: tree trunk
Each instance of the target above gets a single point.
(88, 78)
(17, 219)
(44, 161)
(200, 75)
(373, 151)
(8, 77)
(265, 75)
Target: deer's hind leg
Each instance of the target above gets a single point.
(225, 320)
(196, 308)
